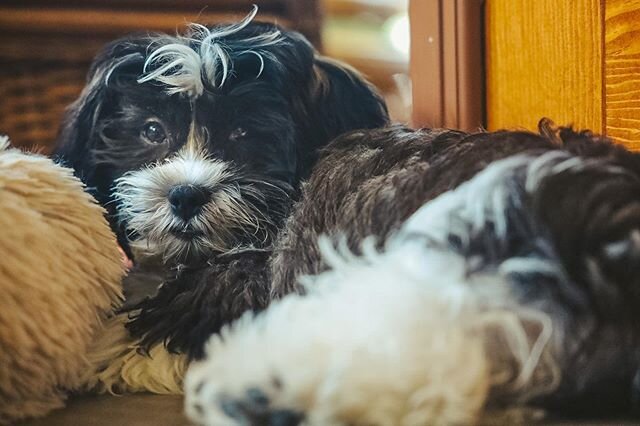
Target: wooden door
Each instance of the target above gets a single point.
(577, 62)
(447, 63)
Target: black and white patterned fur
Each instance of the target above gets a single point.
(503, 269)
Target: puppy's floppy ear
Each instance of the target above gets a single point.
(344, 100)
(77, 133)
(339, 100)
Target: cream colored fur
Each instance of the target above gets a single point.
(118, 367)
(60, 274)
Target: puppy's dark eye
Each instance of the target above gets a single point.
(154, 132)
(237, 134)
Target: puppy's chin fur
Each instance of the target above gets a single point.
(241, 211)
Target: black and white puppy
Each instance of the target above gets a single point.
(492, 269)
(196, 145)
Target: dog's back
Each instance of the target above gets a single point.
(369, 182)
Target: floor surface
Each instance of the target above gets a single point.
(161, 410)
(127, 410)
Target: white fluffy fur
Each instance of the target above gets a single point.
(401, 337)
(392, 339)
(188, 64)
(143, 195)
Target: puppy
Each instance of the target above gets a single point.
(502, 269)
(197, 145)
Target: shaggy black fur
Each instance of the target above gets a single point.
(196, 303)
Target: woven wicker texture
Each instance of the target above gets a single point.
(33, 97)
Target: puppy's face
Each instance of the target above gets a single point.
(210, 172)
(197, 144)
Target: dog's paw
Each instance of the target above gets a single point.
(208, 402)
(255, 408)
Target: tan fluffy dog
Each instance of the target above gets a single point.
(60, 274)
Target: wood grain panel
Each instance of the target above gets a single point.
(622, 71)
(544, 58)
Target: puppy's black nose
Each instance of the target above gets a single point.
(187, 200)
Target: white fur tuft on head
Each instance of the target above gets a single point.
(186, 64)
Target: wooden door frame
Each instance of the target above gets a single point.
(447, 63)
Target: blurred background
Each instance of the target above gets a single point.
(474, 63)
(46, 46)
(373, 36)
